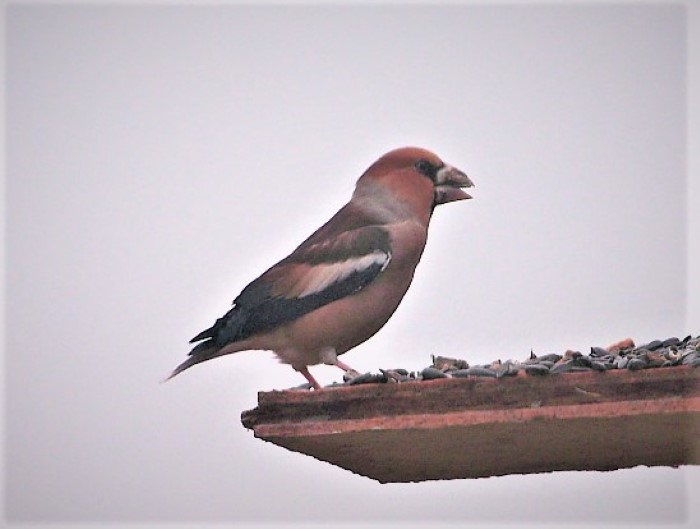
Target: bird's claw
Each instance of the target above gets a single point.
(351, 374)
(306, 386)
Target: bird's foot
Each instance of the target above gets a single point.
(308, 376)
(306, 386)
(344, 366)
(351, 374)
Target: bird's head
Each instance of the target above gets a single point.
(416, 177)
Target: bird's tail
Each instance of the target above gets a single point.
(220, 339)
(200, 353)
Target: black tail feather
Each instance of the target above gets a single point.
(225, 331)
(207, 333)
(200, 353)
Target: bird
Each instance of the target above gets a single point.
(343, 283)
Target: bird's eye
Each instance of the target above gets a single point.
(425, 167)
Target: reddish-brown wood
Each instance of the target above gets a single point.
(466, 428)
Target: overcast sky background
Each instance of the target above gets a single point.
(160, 158)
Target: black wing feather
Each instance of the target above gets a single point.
(257, 309)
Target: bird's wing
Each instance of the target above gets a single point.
(318, 272)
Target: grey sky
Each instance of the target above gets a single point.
(158, 159)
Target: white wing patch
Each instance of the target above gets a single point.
(321, 276)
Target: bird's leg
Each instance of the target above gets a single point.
(330, 357)
(308, 376)
(344, 366)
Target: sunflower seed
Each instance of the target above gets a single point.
(443, 363)
(599, 351)
(651, 346)
(598, 366)
(562, 367)
(669, 342)
(690, 358)
(507, 369)
(551, 357)
(635, 364)
(430, 373)
(621, 362)
(537, 369)
(474, 371)
(367, 378)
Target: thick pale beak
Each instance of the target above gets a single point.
(449, 184)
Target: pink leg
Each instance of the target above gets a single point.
(344, 366)
(329, 357)
(308, 376)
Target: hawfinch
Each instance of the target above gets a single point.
(343, 283)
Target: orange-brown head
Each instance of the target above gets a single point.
(416, 178)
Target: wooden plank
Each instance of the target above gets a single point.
(467, 428)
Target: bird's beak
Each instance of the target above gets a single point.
(449, 184)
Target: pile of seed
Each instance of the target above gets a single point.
(621, 355)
